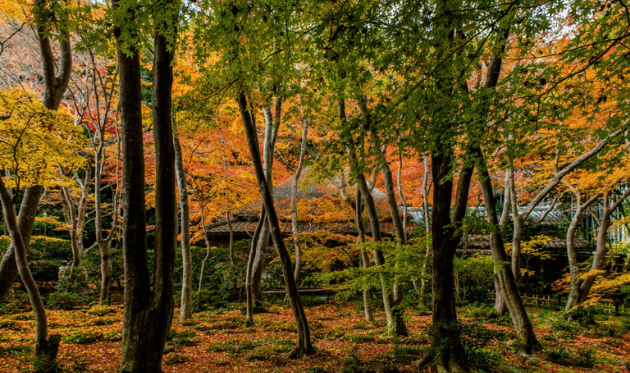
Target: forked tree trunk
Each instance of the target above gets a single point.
(520, 217)
(185, 311)
(574, 269)
(602, 238)
(25, 222)
(56, 77)
(45, 348)
(379, 258)
(508, 288)
(272, 126)
(445, 238)
(148, 304)
(304, 346)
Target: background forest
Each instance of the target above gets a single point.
(349, 186)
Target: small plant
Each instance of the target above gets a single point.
(183, 338)
(103, 321)
(83, 338)
(113, 335)
(101, 310)
(559, 355)
(585, 358)
(63, 301)
(24, 317)
(582, 315)
(562, 325)
(11, 325)
(176, 359)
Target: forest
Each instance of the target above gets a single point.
(314, 186)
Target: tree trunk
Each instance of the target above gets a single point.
(427, 227)
(574, 269)
(401, 327)
(526, 338)
(55, 85)
(205, 238)
(25, 222)
(365, 259)
(185, 311)
(231, 242)
(304, 346)
(294, 215)
(271, 134)
(602, 238)
(45, 348)
(379, 258)
(444, 231)
(249, 313)
(148, 304)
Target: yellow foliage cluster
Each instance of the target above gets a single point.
(36, 142)
(51, 220)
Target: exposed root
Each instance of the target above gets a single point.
(297, 352)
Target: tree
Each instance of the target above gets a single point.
(35, 142)
(56, 78)
(148, 304)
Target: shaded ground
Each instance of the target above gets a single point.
(217, 341)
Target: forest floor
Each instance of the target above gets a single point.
(217, 341)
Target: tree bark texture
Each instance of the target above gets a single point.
(187, 286)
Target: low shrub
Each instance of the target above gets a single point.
(563, 325)
(83, 338)
(173, 359)
(582, 315)
(63, 301)
(11, 325)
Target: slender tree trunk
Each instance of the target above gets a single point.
(574, 269)
(304, 346)
(205, 238)
(602, 239)
(401, 327)
(25, 222)
(148, 304)
(249, 313)
(526, 338)
(45, 348)
(294, 214)
(499, 300)
(231, 242)
(56, 77)
(379, 258)
(365, 259)
(520, 217)
(260, 255)
(185, 311)
(427, 226)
